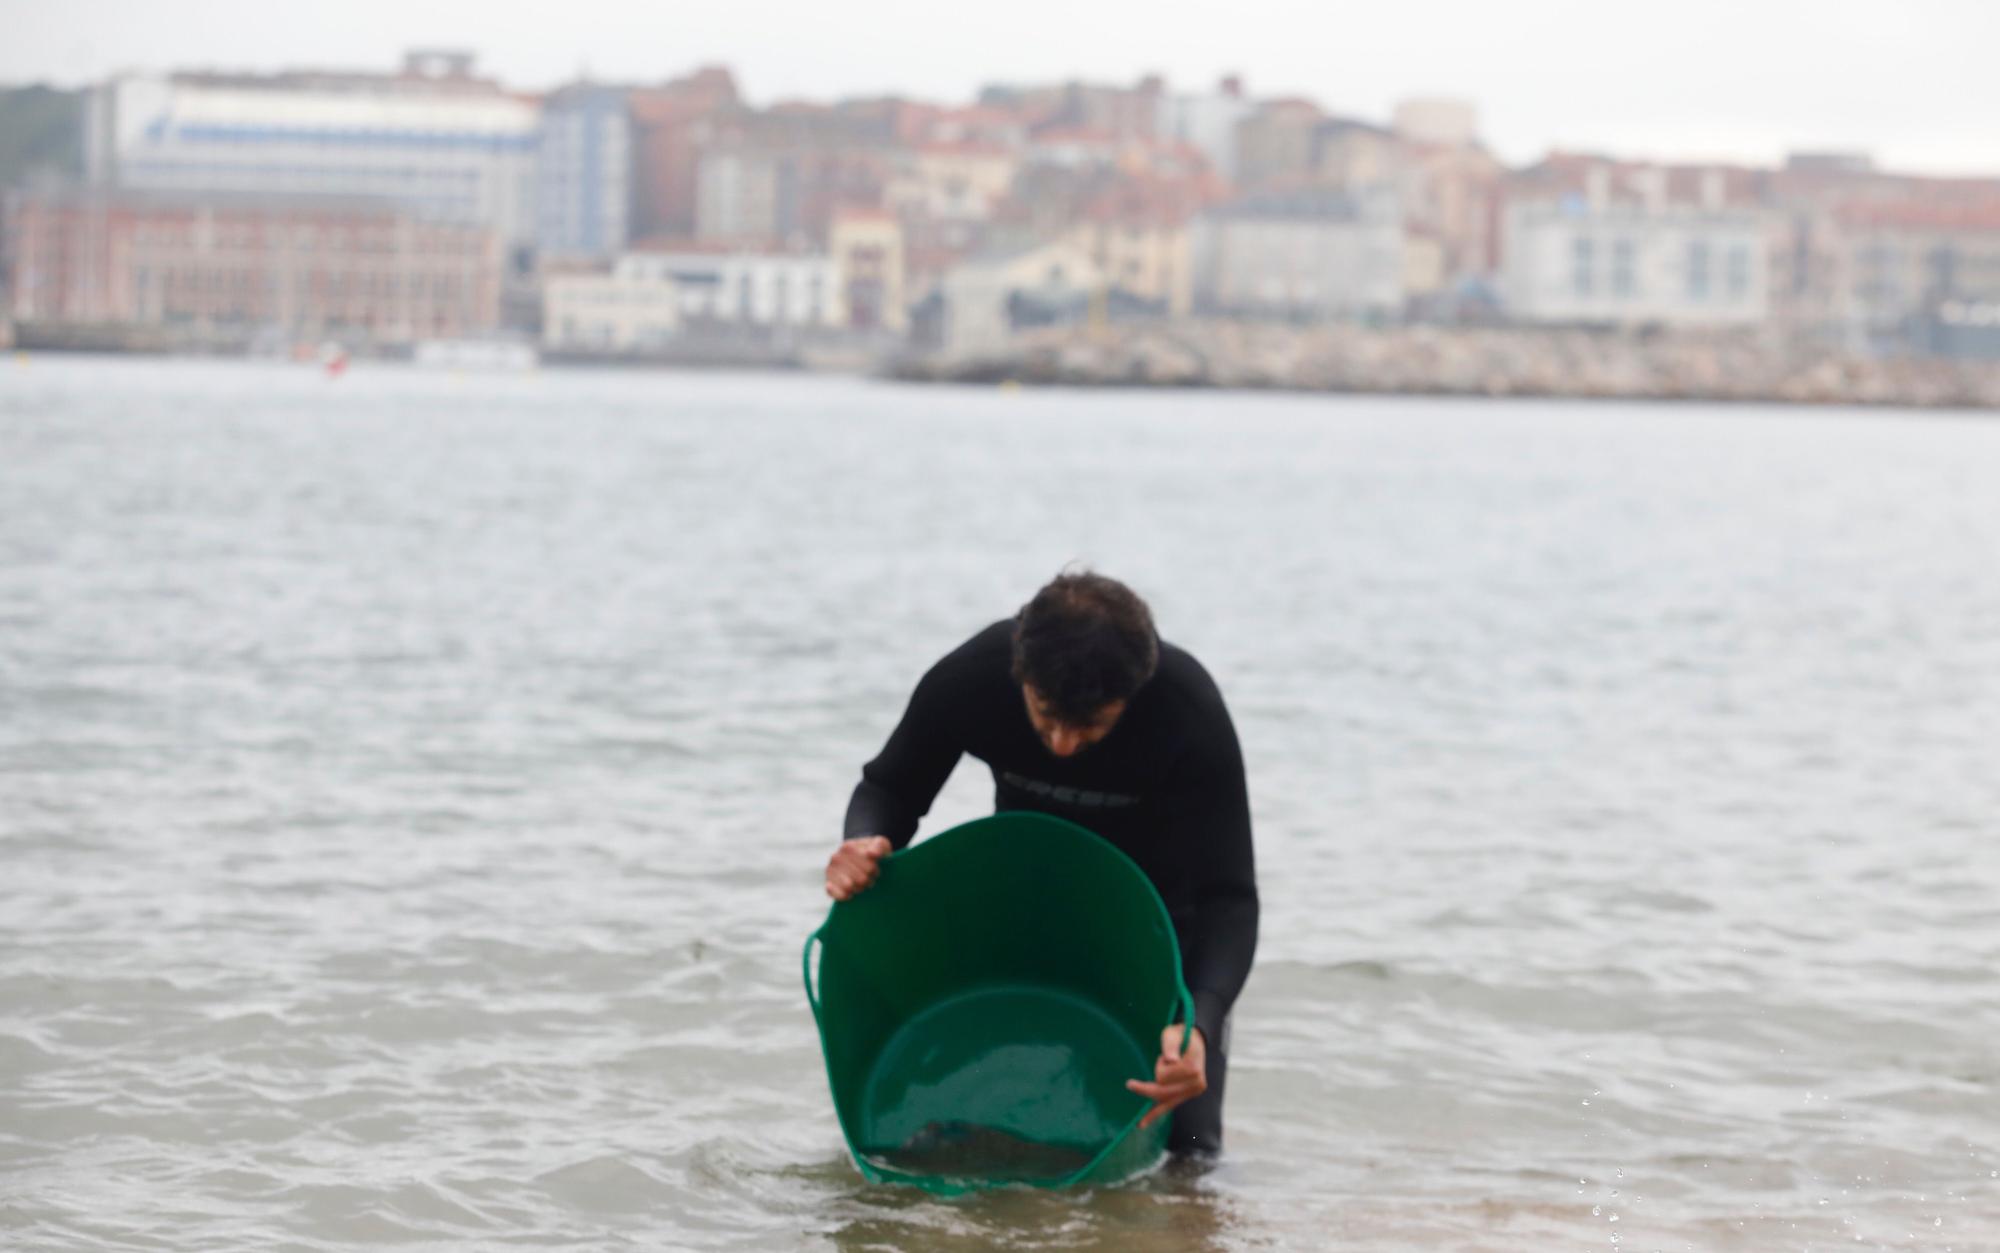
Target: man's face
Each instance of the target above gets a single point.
(1067, 739)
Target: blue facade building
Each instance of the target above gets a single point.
(583, 174)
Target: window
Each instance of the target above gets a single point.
(1583, 266)
(1698, 269)
(1624, 278)
(1736, 271)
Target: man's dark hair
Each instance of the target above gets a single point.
(1083, 642)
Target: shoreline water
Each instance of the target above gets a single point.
(1031, 375)
(1457, 363)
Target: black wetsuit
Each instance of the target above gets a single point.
(1165, 786)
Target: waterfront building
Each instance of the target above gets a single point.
(1451, 195)
(1587, 242)
(1146, 258)
(932, 249)
(1626, 264)
(1136, 230)
(1871, 261)
(236, 268)
(799, 291)
(989, 298)
(867, 250)
(1919, 275)
(651, 300)
(630, 309)
(1308, 254)
(448, 145)
(583, 174)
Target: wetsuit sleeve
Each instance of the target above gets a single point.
(1221, 931)
(898, 786)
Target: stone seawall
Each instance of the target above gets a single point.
(1750, 366)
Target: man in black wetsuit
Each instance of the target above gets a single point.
(1083, 712)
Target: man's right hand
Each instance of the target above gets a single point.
(854, 866)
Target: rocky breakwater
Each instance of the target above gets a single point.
(1747, 366)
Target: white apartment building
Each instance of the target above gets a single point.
(751, 289)
(448, 146)
(626, 311)
(651, 299)
(1316, 253)
(1635, 262)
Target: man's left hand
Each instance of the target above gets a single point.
(1177, 1077)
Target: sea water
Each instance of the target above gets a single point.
(414, 790)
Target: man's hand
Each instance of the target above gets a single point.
(854, 866)
(1177, 1076)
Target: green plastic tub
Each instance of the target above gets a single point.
(982, 1005)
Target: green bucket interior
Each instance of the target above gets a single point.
(982, 1005)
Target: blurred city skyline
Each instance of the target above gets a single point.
(1715, 208)
(1700, 81)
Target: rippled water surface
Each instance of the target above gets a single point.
(413, 791)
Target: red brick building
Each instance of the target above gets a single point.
(669, 125)
(364, 271)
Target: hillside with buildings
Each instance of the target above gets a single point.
(41, 132)
(1189, 231)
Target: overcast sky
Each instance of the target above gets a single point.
(1917, 83)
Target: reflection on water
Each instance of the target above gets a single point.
(1168, 1211)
